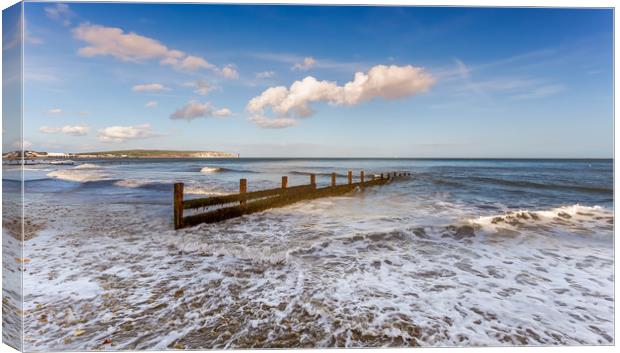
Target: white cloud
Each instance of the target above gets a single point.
(229, 71)
(265, 74)
(539, 92)
(149, 87)
(387, 82)
(120, 134)
(202, 87)
(76, 130)
(305, 65)
(151, 104)
(194, 110)
(60, 13)
(267, 123)
(129, 46)
(222, 113)
(54, 111)
(17, 144)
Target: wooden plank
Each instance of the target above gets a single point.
(177, 205)
(281, 200)
(220, 200)
(243, 189)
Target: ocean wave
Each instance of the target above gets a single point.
(203, 190)
(210, 170)
(79, 175)
(535, 185)
(88, 166)
(574, 217)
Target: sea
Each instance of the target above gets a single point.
(463, 252)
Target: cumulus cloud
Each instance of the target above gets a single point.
(305, 65)
(76, 130)
(149, 87)
(151, 104)
(202, 87)
(381, 81)
(120, 134)
(194, 110)
(129, 46)
(265, 74)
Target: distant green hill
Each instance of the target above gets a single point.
(157, 154)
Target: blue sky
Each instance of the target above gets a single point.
(281, 80)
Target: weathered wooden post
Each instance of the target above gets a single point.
(177, 203)
(313, 180)
(333, 179)
(350, 176)
(394, 173)
(361, 177)
(381, 176)
(284, 182)
(243, 188)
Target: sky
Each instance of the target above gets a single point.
(319, 81)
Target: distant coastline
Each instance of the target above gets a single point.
(138, 153)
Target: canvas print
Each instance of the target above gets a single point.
(221, 176)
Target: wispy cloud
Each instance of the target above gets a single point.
(265, 74)
(130, 46)
(201, 86)
(305, 64)
(318, 63)
(73, 130)
(271, 123)
(149, 87)
(60, 13)
(54, 111)
(151, 104)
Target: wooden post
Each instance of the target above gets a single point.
(381, 176)
(362, 177)
(333, 179)
(177, 203)
(350, 176)
(394, 173)
(387, 176)
(313, 180)
(243, 188)
(284, 182)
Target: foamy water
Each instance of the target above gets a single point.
(425, 261)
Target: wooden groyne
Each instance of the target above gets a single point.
(243, 203)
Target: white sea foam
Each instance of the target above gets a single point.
(79, 175)
(88, 166)
(133, 183)
(367, 269)
(210, 170)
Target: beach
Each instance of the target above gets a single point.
(464, 253)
